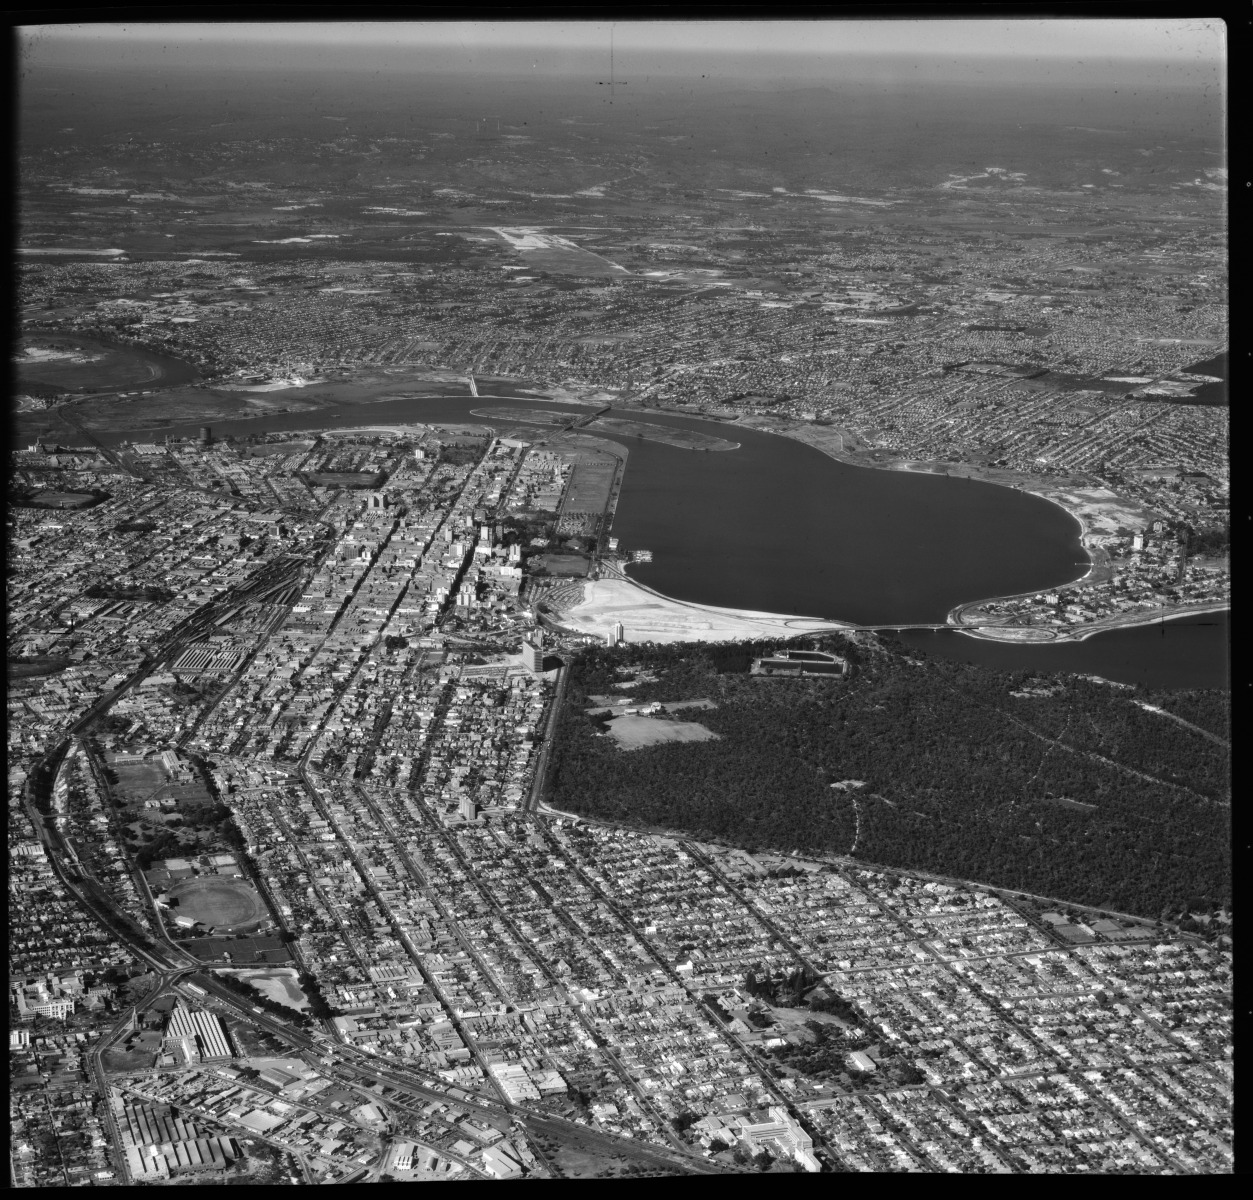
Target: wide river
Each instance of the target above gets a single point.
(777, 526)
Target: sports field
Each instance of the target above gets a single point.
(218, 902)
(632, 732)
(138, 781)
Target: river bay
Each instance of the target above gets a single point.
(1188, 652)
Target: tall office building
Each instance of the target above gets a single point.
(468, 809)
(533, 652)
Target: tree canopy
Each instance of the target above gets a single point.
(1068, 789)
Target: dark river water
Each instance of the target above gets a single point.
(1191, 652)
(1219, 366)
(776, 526)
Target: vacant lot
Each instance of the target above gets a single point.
(632, 732)
(685, 439)
(577, 1158)
(278, 985)
(137, 1052)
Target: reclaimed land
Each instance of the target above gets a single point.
(648, 616)
(117, 413)
(684, 439)
(962, 777)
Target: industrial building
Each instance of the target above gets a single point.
(201, 1034)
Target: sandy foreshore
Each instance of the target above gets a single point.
(648, 616)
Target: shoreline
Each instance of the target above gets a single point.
(732, 612)
(647, 615)
(1084, 503)
(1108, 506)
(1062, 634)
(652, 616)
(1055, 493)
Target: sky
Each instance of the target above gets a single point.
(1053, 47)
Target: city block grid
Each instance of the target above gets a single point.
(285, 901)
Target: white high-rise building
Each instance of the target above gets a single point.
(533, 652)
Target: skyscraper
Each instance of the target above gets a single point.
(533, 652)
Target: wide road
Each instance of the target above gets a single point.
(544, 765)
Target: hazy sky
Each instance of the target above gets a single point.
(731, 47)
(1133, 38)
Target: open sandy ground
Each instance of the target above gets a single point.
(648, 616)
(278, 983)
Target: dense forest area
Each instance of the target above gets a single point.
(1069, 789)
(1210, 711)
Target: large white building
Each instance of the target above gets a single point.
(781, 1132)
